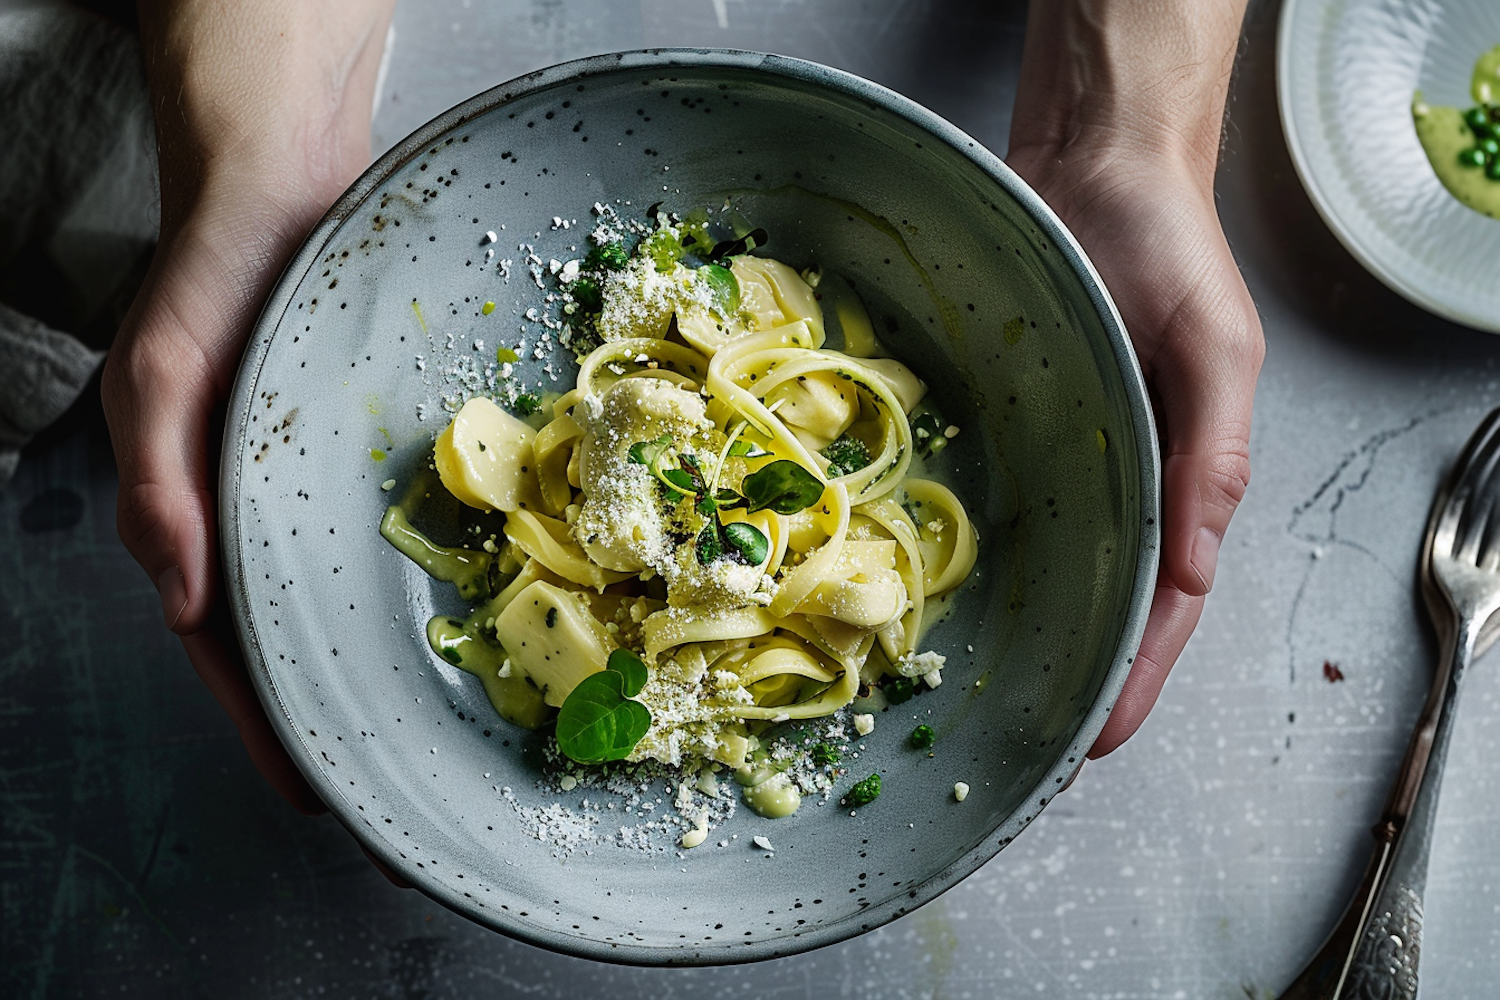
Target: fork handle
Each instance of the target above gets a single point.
(1374, 950)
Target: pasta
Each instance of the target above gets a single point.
(719, 496)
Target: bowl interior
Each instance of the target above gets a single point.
(976, 290)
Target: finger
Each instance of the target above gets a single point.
(159, 397)
(215, 657)
(1206, 390)
(1173, 617)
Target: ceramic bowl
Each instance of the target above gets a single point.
(1346, 71)
(969, 278)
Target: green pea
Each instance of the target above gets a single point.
(1490, 146)
(1492, 169)
(1471, 158)
(1478, 121)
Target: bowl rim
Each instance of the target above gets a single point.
(800, 71)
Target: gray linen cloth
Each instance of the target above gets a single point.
(78, 206)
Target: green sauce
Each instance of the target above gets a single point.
(464, 568)
(518, 701)
(767, 791)
(464, 643)
(1462, 154)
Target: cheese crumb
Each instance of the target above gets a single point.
(950, 432)
(763, 843)
(960, 790)
(388, 485)
(864, 725)
(567, 783)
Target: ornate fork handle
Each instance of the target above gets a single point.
(1373, 952)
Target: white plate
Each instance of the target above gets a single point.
(1346, 71)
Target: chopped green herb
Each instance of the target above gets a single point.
(452, 655)
(664, 249)
(707, 505)
(607, 257)
(487, 308)
(587, 293)
(783, 486)
(552, 618)
(922, 737)
(824, 754)
(845, 456)
(504, 355)
(864, 792)
(709, 547)
(898, 689)
(598, 721)
(526, 404)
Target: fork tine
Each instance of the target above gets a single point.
(1473, 493)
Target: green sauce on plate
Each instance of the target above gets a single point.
(1463, 146)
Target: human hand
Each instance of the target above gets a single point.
(1129, 169)
(262, 114)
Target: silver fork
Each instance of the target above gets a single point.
(1373, 952)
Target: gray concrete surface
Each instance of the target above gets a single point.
(140, 854)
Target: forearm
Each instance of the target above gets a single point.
(272, 96)
(1131, 76)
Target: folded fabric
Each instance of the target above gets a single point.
(41, 374)
(78, 206)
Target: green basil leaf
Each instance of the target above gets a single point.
(747, 540)
(629, 666)
(728, 499)
(708, 546)
(724, 288)
(597, 723)
(783, 486)
(707, 505)
(679, 478)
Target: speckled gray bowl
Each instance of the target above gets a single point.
(1057, 463)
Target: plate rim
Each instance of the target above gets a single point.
(1136, 610)
(1393, 279)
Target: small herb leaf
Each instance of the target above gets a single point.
(864, 792)
(724, 288)
(728, 499)
(679, 478)
(708, 546)
(629, 666)
(597, 722)
(747, 540)
(783, 486)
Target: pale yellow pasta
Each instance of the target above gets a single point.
(628, 517)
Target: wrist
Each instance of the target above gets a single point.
(1126, 83)
(273, 95)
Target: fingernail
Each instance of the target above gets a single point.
(173, 590)
(1206, 556)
